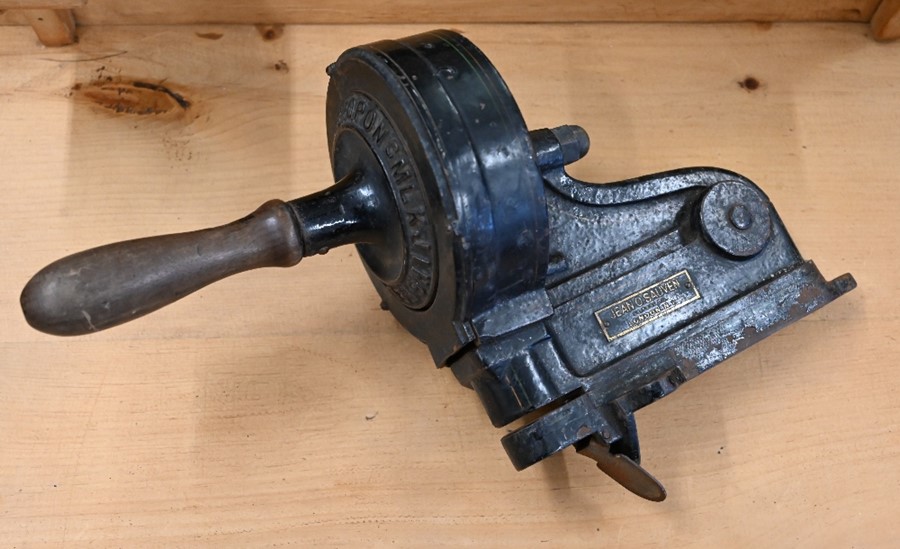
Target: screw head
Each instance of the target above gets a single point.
(740, 217)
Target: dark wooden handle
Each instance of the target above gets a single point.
(109, 285)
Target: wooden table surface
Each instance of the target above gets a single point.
(284, 407)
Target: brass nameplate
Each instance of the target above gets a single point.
(644, 306)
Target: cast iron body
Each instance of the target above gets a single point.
(572, 303)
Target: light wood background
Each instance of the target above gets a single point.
(125, 12)
(283, 407)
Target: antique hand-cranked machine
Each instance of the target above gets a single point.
(569, 302)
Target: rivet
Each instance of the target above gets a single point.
(740, 217)
(448, 72)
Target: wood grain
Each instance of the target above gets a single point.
(886, 20)
(124, 12)
(41, 4)
(283, 407)
(54, 28)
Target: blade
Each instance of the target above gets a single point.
(623, 470)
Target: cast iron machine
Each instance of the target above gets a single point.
(571, 303)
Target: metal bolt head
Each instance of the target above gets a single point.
(736, 218)
(740, 217)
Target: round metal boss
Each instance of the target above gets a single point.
(451, 147)
(735, 217)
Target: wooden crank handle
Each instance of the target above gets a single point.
(106, 286)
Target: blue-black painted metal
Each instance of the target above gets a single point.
(565, 305)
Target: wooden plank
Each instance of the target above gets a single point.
(886, 21)
(53, 27)
(52, 20)
(41, 4)
(117, 12)
(238, 417)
